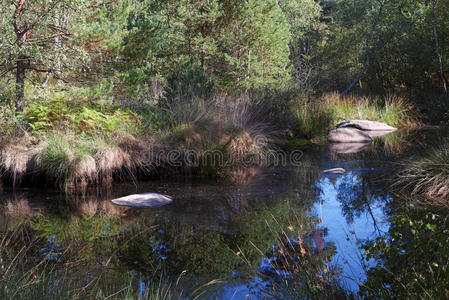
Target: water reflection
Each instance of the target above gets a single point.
(263, 232)
(352, 208)
(348, 147)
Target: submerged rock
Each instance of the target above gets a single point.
(366, 125)
(348, 135)
(335, 171)
(143, 200)
(348, 147)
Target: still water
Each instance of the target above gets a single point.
(237, 238)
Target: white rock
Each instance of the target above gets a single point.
(366, 125)
(143, 200)
(335, 171)
(348, 135)
(348, 147)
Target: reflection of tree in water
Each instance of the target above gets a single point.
(358, 194)
(298, 265)
(160, 244)
(201, 248)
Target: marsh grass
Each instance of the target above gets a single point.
(67, 161)
(232, 130)
(428, 176)
(315, 117)
(218, 135)
(96, 150)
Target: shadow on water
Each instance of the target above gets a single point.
(284, 232)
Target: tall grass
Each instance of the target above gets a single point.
(207, 139)
(221, 132)
(231, 129)
(312, 120)
(315, 116)
(428, 176)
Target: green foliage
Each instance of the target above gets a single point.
(63, 115)
(303, 17)
(412, 260)
(395, 61)
(236, 44)
(11, 122)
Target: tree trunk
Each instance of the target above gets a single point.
(437, 50)
(20, 82)
(367, 54)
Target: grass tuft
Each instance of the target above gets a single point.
(428, 176)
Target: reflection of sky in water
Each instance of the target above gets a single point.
(363, 220)
(344, 231)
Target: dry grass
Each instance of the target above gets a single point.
(16, 159)
(428, 176)
(69, 161)
(229, 127)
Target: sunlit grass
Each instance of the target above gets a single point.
(428, 176)
(316, 116)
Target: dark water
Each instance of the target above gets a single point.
(228, 230)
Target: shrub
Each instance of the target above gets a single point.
(412, 258)
(62, 115)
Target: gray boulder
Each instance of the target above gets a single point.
(348, 135)
(143, 200)
(366, 125)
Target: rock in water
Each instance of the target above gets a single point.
(348, 147)
(348, 135)
(335, 171)
(366, 125)
(143, 200)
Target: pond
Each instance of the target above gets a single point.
(284, 231)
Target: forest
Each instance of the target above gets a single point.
(101, 94)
